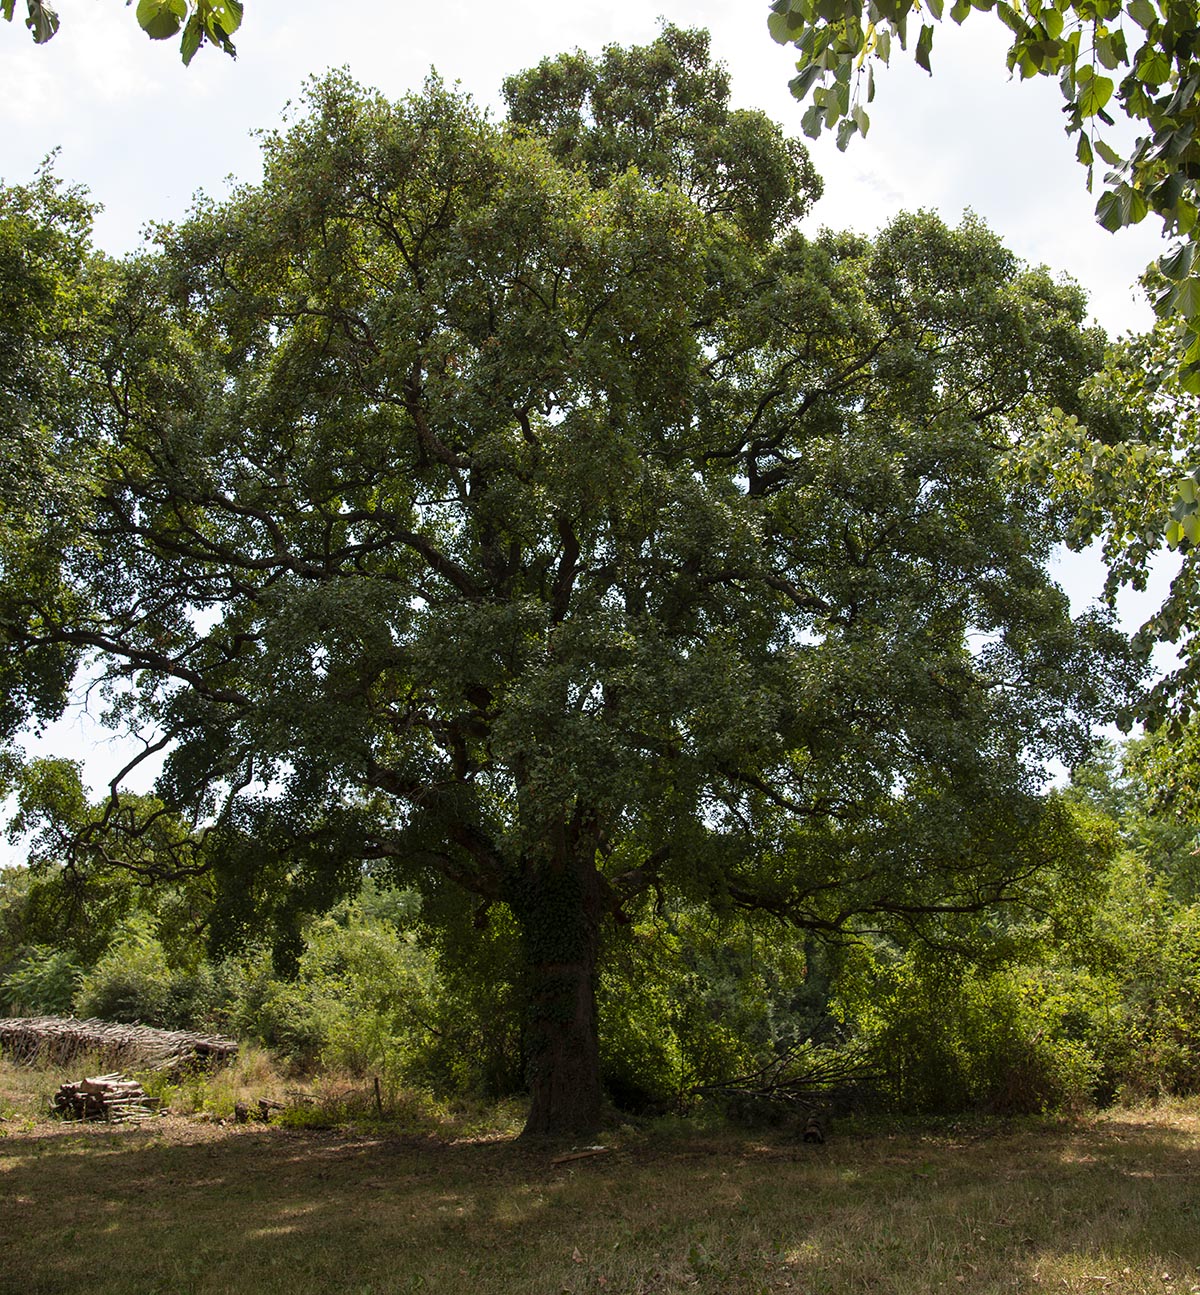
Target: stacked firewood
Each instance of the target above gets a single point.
(57, 1040)
(105, 1097)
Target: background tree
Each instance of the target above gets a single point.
(479, 504)
(200, 21)
(1152, 50)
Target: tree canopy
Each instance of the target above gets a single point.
(1151, 48)
(196, 22)
(528, 508)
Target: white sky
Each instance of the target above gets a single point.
(143, 133)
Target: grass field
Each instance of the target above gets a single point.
(183, 1205)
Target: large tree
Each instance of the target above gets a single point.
(529, 508)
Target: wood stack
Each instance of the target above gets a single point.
(61, 1041)
(105, 1097)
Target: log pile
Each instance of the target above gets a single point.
(57, 1040)
(105, 1097)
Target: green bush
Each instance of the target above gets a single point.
(361, 1001)
(131, 982)
(1162, 1008)
(43, 982)
(948, 1036)
(475, 1043)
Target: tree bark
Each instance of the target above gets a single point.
(559, 912)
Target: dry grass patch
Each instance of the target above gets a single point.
(181, 1207)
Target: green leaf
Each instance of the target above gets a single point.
(1119, 206)
(924, 46)
(812, 121)
(1184, 215)
(1095, 93)
(1154, 67)
(1083, 151)
(780, 27)
(1103, 47)
(1186, 298)
(1189, 379)
(193, 38)
(959, 10)
(220, 19)
(6, 9)
(802, 84)
(846, 128)
(1178, 264)
(1143, 13)
(42, 21)
(1110, 155)
(161, 19)
(1010, 18)
(1109, 211)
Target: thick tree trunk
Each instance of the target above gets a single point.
(559, 911)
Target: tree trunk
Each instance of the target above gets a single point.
(559, 912)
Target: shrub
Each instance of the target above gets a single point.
(949, 1036)
(44, 981)
(131, 982)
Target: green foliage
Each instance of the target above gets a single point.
(44, 981)
(692, 1000)
(1121, 465)
(1148, 45)
(131, 982)
(948, 1036)
(1092, 994)
(201, 22)
(1155, 945)
(476, 1041)
(370, 999)
(52, 292)
(84, 881)
(664, 109)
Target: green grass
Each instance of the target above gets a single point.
(1111, 1204)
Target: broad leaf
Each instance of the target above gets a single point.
(924, 46)
(161, 19)
(1094, 93)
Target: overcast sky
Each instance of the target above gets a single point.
(143, 133)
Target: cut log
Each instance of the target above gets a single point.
(105, 1097)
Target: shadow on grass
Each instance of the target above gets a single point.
(190, 1208)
